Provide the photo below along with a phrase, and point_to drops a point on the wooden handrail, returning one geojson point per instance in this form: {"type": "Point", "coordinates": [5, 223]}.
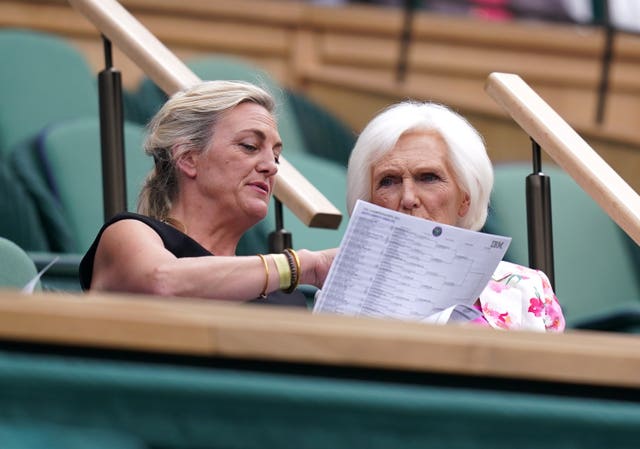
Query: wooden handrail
{"type": "Point", "coordinates": [205, 328]}
{"type": "Point", "coordinates": [572, 153]}
{"type": "Point", "coordinates": [172, 75]}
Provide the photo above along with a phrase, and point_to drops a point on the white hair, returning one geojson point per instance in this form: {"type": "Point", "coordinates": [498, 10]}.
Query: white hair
{"type": "Point", "coordinates": [468, 156]}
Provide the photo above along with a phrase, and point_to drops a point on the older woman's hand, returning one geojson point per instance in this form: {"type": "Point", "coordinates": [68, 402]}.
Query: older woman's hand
{"type": "Point", "coordinates": [315, 265]}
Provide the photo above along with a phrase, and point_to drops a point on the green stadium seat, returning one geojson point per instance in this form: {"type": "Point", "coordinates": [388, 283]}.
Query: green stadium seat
{"type": "Point", "coordinates": [43, 80]}
{"type": "Point", "coordinates": [20, 218]}
{"type": "Point", "coordinates": [70, 153]}
{"type": "Point", "coordinates": [595, 273]}
{"type": "Point", "coordinates": [324, 134]}
{"type": "Point", "coordinates": [16, 268]}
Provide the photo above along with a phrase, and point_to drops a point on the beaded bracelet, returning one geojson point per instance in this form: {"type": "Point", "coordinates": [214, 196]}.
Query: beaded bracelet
{"type": "Point", "coordinates": [294, 265]}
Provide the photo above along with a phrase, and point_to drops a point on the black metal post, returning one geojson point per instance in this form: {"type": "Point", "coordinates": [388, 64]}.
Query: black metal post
{"type": "Point", "coordinates": [605, 65]}
{"type": "Point", "coordinates": [539, 226]}
{"type": "Point", "coordinates": [405, 40]}
{"type": "Point", "coordinates": [114, 187]}
{"type": "Point", "coordinates": [280, 239]}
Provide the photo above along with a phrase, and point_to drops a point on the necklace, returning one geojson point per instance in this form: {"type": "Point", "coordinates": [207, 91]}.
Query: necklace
{"type": "Point", "coordinates": [176, 224]}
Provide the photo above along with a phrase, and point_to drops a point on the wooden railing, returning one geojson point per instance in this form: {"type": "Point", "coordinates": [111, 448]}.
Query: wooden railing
{"type": "Point", "coordinates": [172, 75]}
{"type": "Point", "coordinates": [568, 150]}
{"type": "Point", "coordinates": [206, 328]}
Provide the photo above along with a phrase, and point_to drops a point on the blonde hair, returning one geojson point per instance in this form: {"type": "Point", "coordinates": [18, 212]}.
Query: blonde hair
{"type": "Point", "coordinates": [470, 162]}
{"type": "Point", "coordinates": [186, 122]}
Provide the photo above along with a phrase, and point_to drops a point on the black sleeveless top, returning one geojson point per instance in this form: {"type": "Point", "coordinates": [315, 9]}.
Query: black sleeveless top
{"type": "Point", "coordinates": [180, 245]}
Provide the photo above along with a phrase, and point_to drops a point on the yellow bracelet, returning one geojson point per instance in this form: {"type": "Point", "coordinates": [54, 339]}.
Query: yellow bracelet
{"type": "Point", "coordinates": [283, 270]}
{"type": "Point", "coordinates": [263, 295]}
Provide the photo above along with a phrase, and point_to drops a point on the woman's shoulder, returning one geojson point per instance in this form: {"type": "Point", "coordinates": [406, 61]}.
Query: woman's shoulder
{"type": "Point", "coordinates": [173, 239]}
{"type": "Point", "coordinates": [129, 226]}
{"type": "Point", "coordinates": [132, 216]}
{"type": "Point", "coordinates": [117, 231]}
{"type": "Point", "coordinates": [519, 297]}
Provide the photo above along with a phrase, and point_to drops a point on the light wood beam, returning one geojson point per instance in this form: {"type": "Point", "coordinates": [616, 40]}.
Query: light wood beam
{"type": "Point", "coordinates": [250, 332]}
{"type": "Point", "coordinates": [568, 150]}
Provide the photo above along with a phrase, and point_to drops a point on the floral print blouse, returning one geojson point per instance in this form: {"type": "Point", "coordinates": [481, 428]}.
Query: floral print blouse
{"type": "Point", "coordinates": [519, 297]}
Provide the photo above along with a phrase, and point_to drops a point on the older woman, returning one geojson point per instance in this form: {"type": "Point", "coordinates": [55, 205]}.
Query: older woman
{"type": "Point", "coordinates": [425, 160]}
{"type": "Point", "coordinates": [216, 148]}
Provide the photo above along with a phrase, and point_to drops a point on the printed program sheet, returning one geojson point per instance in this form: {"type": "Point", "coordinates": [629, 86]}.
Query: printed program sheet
{"type": "Point", "coordinates": [398, 266]}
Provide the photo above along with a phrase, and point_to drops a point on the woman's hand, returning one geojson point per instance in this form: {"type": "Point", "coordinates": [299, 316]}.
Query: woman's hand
{"type": "Point", "coordinates": [315, 265]}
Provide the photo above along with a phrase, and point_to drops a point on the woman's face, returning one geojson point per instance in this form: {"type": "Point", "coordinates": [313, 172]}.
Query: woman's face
{"type": "Point", "coordinates": [238, 169]}
{"type": "Point", "coordinates": [416, 178]}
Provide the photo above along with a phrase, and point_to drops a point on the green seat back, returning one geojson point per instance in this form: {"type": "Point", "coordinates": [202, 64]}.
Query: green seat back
{"type": "Point", "coordinates": [16, 268]}
{"type": "Point", "coordinates": [71, 152]}
{"type": "Point", "coordinates": [20, 221]}
{"type": "Point", "coordinates": [594, 271]}
{"type": "Point", "coordinates": [43, 79]}
{"type": "Point", "coordinates": [324, 134]}
{"type": "Point", "coordinates": [27, 164]}
{"type": "Point", "coordinates": [221, 67]}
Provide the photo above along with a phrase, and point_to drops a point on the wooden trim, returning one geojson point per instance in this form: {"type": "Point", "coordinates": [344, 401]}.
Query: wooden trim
{"type": "Point", "coordinates": [281, 13]}
{"type": "Point", "coordinates": [534, 36]}
{"type": "Point", "coordinates": [38, 17]}
{"type": "Point", "coordinates": [241, 331]}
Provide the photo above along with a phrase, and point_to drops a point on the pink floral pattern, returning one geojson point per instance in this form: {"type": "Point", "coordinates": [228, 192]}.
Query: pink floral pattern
{"type": "Point", "coordinates": [518, 297]}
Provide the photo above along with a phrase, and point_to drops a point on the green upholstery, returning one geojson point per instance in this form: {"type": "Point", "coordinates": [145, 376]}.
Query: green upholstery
{"type": "Point", "coordinates": [41, 435]}
{"type": "Point", "coordinates": [16, 268]}
{"type": "Point", "coordinates": [71, 155]}
{"type": "Point", "coordinates": [186, 407]}
{"type": "Point", "coordinates": [594, 271]}
{"type": "Point", "coordinates": [26, 163]}
{"type": "Point", "coordinates": [324, 134]}
{"type": "Point", "coordinates": [43, 79]}
{"type": "Point", "coordinates": [134, 111]}
{"type": "Point", "coordinates": [222, 67]}
{"type": "Point", "coordinates": [330, 178]}
{"type": "Point", "coordinates": [20, 221]}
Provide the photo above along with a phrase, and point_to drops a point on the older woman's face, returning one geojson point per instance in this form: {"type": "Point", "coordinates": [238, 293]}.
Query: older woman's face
{"type": "Point", "coordinates": [416, 178]}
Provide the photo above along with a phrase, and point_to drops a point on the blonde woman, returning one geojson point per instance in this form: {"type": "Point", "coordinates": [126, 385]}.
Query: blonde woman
{"type": "Point", "coordinates": [216, 149]}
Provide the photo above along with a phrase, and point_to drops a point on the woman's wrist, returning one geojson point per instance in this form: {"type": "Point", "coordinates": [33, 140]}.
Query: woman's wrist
{"type": "Point", "coordinates": [281, 271]}
{"type": "Point", "coordinates": [307, 267]}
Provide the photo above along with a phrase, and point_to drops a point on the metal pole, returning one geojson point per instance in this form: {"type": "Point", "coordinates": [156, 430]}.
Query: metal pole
{"type": "Point", "coordinates": [405, 40]}
{"type": "Point", "coordinates": [114, 190]}
{"type": "Point", "coordinates": [280, 239]}
{"type": "Point", "coordinates": [605, 69]}
{"type": "Point", "coordinates": [539, 226]}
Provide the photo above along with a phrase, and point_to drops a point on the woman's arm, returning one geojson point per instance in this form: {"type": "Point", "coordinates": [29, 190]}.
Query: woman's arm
{"type": "Point", "coordinates": [553, 317]}
{"type": "Point", "coordinates": [131, 257]}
